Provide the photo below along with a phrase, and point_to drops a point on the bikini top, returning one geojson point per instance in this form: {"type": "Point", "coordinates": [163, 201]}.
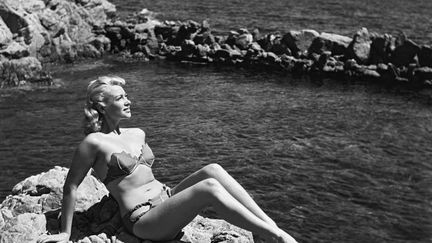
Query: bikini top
{"type": "Point", "coordinates": [123, 164]}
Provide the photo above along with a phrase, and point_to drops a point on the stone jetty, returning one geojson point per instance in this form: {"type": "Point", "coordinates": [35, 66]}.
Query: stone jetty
{"type": "Point", "coordinates": [34, 206]}
{"type": "Point", "coordinates": [35, 31]}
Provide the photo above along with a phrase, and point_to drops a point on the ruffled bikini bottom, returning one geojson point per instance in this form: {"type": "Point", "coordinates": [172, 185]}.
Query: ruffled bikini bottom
{"type": "Point", "coordinates": [129, 221]}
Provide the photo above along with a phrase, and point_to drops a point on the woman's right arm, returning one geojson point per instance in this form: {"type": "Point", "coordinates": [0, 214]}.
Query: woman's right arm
{"type": "Point", "coordinates": [82, 161]}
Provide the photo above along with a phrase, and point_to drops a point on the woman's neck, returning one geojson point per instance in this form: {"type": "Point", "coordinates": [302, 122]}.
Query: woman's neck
{"type": "Point", "coordinates": [109, 126]}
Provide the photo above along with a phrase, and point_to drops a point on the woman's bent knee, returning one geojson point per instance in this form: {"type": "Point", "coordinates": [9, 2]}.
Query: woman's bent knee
{"type": "Point", "coordinates": [210, 185]}
{"type": "Point", "coordinates": [212, 169]}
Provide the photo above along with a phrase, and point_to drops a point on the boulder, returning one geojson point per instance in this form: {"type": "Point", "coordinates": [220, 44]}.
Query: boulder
{"type": "Point", "coordinates": [244, 39]}
{"type": "Point", "coordinates": [359, 48]}
{"type": "Point", "coordinates": [299, 41]}
{"type": "Point", "coordinates": [14, 50]}
{"type": "Point", "coordinates": [380, 49]}
{"type": "Point", "coordinates": [13, 71]}
{"type": "Point", "coordinates": [425, 56]}
{"type": "Point", "coordinates": [5, 34]}
{"type": "Point", "coordinates": [34, 208]}
{"type": "Point", "coordinates": [39, 22]}
{"type": "Point", "coordinates": [24, 227]}
{"type": "Point", "coordinates": [336, 44]}
{"type": "Point", "coordinates": [404, 52]}
{"type": "Point", "coordinates": [423, 73]}
{"type": "Point", "coordinates": [99, 11]}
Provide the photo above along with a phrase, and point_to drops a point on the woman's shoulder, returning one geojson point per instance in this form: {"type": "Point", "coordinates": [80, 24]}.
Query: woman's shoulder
{"type": "Point", "coordinates": [93, 139]}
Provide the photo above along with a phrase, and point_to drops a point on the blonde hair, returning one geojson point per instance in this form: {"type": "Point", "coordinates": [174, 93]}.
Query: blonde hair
{"type": "Point", "coordinates": [93, 117]}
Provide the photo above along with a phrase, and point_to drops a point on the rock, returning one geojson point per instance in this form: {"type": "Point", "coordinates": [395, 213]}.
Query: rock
{"type": "Point", "coordinates": [101, 43]}
{"type": "Point", "coordinates": [380, 49]}
{"type": "Point", "coordinates": [49, 30]}
{"type": "Point", "coordinates": [268, 41]}
{"type": "Point", "coordinates": [256, 34]}
{"type": "Point", "coordinates": [425, 56]}
{"type": "Point", "coordinates": [185, 32]}
{"type": "Point", "coordinates": [244, 39]}
{"type": "Point", "coordinates": [32, 19]}
{"type": "Point", "coordinates": [404, 53]}
{"type": "Point", "coordinates": [99, 10]}
{"type": "Point", "coordinates": [271, 58]}
{"type": "Point", "coordinates": [24, 217]}
{"type": "Point", "coordinates": [336, 44]}
{"type": "Point", "coordinates": [15, 51]}
{"type": "Point", "coordinates": [299, 41]}
{"type": "Point", "coordinates": [423, 73]}
{"type": "Point", "coordinates": [359, 48]}
{"type": "Point", "coordinates": [5, 34]}
{"type": "Point", "coordinates": [322, 61]}
{"type": "Point", "coordinates": [205, 25]}
{"type": "Point", "coordinates": [368, 73]}
{"type": "Point", "coordinates": [278, 47]}
{"type": "Point", "coordinates": [15, 70]}
{"type": "Point", "coordinates": [23, 228]}
{"type": "Point", "coordinates": [88, 51]}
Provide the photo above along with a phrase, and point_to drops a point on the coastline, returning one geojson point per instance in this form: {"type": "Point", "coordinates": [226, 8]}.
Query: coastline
{"type": "Point", "coordinates": [367, 55]}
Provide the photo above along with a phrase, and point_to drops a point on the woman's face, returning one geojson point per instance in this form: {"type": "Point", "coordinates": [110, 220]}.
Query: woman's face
{"type": "Point", "coordinates": [117, 104]}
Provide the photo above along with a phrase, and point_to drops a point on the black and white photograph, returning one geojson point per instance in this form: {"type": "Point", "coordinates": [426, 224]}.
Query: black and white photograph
{"type": "Point", "coordinates": [218, 121]}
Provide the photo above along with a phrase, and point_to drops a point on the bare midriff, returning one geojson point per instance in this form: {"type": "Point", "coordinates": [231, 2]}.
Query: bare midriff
{"type": "Point", "coordinates": [136, 188]}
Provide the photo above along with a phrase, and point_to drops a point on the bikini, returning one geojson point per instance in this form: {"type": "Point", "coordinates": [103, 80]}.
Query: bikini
{"type": "Point", "coordinates": [123, 164]}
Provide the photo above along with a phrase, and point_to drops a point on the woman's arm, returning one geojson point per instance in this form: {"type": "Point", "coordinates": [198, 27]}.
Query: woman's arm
{"type": "Point", "coordinates": [82, 161]}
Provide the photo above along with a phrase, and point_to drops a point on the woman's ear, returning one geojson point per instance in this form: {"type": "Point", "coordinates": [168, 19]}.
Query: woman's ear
{"type": "Point", "coordinates": [100, 108]}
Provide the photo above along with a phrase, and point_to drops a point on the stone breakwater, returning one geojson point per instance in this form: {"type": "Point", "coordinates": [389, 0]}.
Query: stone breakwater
{"type": "Point", "coordinates": [34, 206]}
{"type": "Point", "coordinates": [38, 31]}
{"type": "Point", "coordinates": [366, 55]}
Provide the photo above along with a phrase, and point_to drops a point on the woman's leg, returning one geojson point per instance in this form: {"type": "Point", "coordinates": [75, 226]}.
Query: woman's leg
{"type": "Point", "coordinates": [167, 219]}
{"type": "Point", "coordinates": [229, 183]}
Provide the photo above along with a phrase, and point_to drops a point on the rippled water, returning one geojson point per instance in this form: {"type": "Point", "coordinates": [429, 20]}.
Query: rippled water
{"type": "Point", "coordinates": [331, 161]}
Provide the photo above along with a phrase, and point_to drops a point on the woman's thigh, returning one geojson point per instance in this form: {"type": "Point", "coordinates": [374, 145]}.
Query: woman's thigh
{"type": "Point", "coordinates": [166, 220]}
{"type": "Point", "coordinates": [197, 176]}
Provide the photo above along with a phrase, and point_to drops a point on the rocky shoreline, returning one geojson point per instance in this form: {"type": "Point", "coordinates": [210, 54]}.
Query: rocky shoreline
{"type": "Point", "coordinates": [34, 206]}
{"type": "Point", "coordinates": [35, 32]}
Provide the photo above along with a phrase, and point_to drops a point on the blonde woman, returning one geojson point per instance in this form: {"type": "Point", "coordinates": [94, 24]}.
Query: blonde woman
{"type": "Point", "coordinates": [122, 160]}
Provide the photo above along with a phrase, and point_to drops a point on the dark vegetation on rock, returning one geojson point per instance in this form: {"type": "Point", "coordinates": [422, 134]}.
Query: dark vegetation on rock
{"type": "Point", "coordinates": [37, 31]}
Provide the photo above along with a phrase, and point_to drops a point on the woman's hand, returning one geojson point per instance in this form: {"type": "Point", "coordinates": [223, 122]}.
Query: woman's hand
{"type": "Point", "coordinates": [60, 238]}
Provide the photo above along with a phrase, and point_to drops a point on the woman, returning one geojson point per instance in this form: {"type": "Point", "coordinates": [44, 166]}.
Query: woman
{"type": "Point", "coordinates": [122, 160]}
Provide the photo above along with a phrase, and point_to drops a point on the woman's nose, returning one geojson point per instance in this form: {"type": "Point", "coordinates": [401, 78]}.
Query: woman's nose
{"type": "Point", "coordinates": [128, 102]}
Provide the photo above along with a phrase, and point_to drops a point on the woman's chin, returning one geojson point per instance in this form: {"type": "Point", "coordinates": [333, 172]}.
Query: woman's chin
{"type": "Point", "coordinates": [127, 115]}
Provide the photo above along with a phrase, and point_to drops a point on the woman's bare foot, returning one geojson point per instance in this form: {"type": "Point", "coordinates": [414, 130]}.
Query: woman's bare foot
{"type": "Point", "coordinates": [284, 237]}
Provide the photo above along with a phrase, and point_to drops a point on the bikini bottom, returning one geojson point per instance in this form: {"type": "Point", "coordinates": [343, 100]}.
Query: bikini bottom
{"type": "Point", "coordinates": [129, 221]}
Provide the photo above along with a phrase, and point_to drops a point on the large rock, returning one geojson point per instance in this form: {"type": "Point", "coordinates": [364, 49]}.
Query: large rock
{"type": "Point", "coordinates": [35, 204]}
{"type": "Point", "coordinates": [15, 50]}
{"type": "Point", "coordinates": [40, 22]}
{"type": "Point", "coordinates": [380, 49]}
{"type": "Point", "coordinates": [336, 44]}
{"type": "Point", "coordinates": [244, 39]}
{"type": "Point", "coordinates": [17, 71]}
{"type": "Point", "coordinates": [5, 33]}
{"type": "Point", "coordinates": [425, 56]}
{"type": "Point", "coordinates": [404, 52]}
{"type": "Point", "coordinates": [58, 30]}
{"type": "Point", "coordinates": [359, 48]}
{"type": "Point", "coordinates": [299, 41]}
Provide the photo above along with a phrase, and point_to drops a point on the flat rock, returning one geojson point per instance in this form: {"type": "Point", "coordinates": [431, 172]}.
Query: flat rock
{"type": "Point", "coordinates": [336, 44]}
